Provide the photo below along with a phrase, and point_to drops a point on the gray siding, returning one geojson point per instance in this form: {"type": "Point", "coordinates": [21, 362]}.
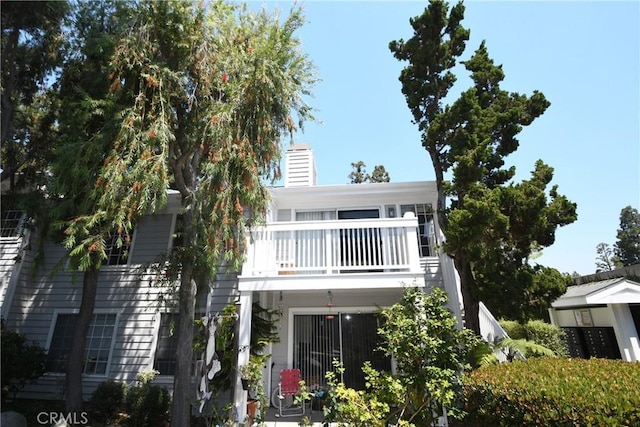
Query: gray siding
{"type": "Point", "coordinates": [224, 291]}
{"type": "Point", "coordinates": [124, 290]}
{"type": "Point", "coordinates": [121, 290]}
{"type": "Point", "coordinates": [152, 237]}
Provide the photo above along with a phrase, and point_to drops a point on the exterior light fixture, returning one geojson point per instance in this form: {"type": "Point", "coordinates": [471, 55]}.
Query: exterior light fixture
{"type": "Point", "coordinates": [330, 305]}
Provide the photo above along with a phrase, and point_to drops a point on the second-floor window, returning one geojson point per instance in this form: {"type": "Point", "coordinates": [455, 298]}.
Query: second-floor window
{"type": "Point", "coordinates": [117, 249]}
{"type": "Point", "coordinates": [12, 221]}
{"type": "Point", "coordinates": [426, 236]}
{"type": "Point", "coordinates": [315, 216]}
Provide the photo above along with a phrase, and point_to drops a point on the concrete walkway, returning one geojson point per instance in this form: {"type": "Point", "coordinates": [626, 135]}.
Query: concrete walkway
{"type": "Point", "coordinates": [271, 420]}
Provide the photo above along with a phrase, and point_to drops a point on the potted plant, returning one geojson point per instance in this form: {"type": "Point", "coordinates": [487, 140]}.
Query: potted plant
{"type": "Point", "coordinates": [263, 331]}
{"type": "Point", "coordinates": [251, 378]}
{"type": "Point", "coordinates": [251, 373]}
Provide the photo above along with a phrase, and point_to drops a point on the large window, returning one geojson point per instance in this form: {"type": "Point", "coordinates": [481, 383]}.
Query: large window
{"type": "Point", "coordinates": [98, 346]}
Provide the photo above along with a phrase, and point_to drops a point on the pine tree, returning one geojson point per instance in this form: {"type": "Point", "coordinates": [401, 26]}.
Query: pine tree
{"type": "Point", "coordinates": [627, 248]}
{"type": "Point", "coordinates": [492, 225]}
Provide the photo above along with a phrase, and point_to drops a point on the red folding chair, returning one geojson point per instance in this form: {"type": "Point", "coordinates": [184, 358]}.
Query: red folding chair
{"type": "Point", "coordinates": [288, 388]}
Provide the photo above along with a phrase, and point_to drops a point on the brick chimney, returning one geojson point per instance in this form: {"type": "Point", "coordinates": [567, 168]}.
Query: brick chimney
{"type": "Point", "coordinates": [300, 166]}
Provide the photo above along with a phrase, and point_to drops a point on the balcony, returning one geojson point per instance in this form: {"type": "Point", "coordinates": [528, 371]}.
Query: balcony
{"type": "Point", "coordinates": [304, 254]}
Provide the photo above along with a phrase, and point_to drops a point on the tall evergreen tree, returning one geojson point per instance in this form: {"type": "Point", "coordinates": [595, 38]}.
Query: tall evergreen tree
{"type": "Point", "coordinates": [83, 139]}
{"type": "Point", "coordinates": [491, 225]}
{"type": "Point", "coordinates": [32, 48]}
{"type": "Point", "coordinates": [606, 260]}
{"type": "Point", "coordinates": [359, 174]}
{"type": "Point", "coordinates": [627, 248]}
{"type": "Point", "coordinates": [379, 174]}
{"type": "Point", "coordinates": [208, 92]}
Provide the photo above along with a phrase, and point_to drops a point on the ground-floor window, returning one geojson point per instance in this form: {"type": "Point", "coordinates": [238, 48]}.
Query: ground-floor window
{"type": "Point", "coordinates": [351, 338]}
{"type": "Point", "coordinates": [98, 345]}
{"type": "Point", "coordinates": [165, 360]}
{"type": "Point", "coordinates": [165, 356]}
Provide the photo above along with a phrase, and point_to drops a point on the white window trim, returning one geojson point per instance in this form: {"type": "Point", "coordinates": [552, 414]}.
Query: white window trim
{"type": "Point", "coordinates": [157, 318]}
{"type": "Point", "coordinates": [52, 327]}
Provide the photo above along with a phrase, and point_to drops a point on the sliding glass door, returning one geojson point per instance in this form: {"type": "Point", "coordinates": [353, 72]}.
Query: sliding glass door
{"type": "Point", "coordinates": [348, 337]}
{"type": "Point", "coordinates": [360, 247]}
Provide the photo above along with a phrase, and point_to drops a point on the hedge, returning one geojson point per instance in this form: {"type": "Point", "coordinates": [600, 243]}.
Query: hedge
{"type": "Point", "coordinates": [539, 332]}
{"type": "Point", "coordinates": [554, 391]}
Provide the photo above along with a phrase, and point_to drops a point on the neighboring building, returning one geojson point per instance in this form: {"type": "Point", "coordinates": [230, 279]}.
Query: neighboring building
{"type": "Point", "coordinates": [601, 315]}
{"type": "Point", "coordinates": [327, 259]}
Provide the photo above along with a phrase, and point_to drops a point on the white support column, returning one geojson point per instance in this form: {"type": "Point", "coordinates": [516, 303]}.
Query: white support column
{"type": "Point", "coordinates": [412, 246]}
{"type": "Point", "coordinates": [626, 333]}
{"type": "Point", "coordinates": [244, 337]}
{"type": "Point", "coordinates": [451, 282]}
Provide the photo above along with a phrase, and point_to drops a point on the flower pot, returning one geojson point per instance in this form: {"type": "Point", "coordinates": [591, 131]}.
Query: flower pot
{"type": "Point", "coordinates": [252, 408]}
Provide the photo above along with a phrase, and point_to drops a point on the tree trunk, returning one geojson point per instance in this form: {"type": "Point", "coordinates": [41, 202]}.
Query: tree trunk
{"type": "Point", "coordinates": [442, 200]}
{"type": "Point", "coordinates": [181, 405]}
{"type": "Point", "coordinates": [75, 367]}
{"type": "Point", "coordinates": [7, 105]}
{"type": "Point", "coordinates": [471, 304]}
{"type": "Point", "coordinates": [181, 409]}
{"type": "Point", "coordinates": [8, 63]}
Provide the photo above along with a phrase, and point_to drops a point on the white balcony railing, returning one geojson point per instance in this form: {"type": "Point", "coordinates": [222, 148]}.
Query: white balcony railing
{"type": "Point", "coordinates": [333, 247]}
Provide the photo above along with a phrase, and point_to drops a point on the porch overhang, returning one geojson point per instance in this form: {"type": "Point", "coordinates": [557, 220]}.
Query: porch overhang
{"type": "Point", "coordinates": [364, 280]}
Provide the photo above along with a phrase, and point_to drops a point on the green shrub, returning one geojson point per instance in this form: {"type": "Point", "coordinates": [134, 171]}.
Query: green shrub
{"type": "Point", "coordinates": [21, 362]}
{"type": "Point", "coordinates": [542, 333]}
{"type": "Point", "coordinates": [513, 328]}
{"type": "Point", "coordinates": [107, 401]}
{"type": "Point", "coordinates": [548, 335]}
{"type": "Point", "coordinates": [148, 405]}
{"type": "Point", "coordinates": [429, 350]}
{"type": "Point", "coordinates": [554, 391]}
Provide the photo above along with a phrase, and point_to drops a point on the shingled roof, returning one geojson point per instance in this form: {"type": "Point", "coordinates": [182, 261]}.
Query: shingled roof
{"type": "Point", "coordinates": [611, 291]}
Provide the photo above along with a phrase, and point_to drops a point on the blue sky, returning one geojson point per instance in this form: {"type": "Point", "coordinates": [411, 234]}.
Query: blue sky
{"type": "Point", "coordinates": [584, 56]}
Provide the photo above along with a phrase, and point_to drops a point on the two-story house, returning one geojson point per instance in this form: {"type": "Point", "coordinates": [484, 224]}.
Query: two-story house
{"type": "Point", "coordinates": [328, 257]}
